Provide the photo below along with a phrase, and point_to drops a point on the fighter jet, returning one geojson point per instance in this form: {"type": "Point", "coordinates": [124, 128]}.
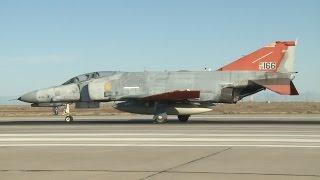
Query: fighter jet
{"type": "Point", "coordinates": [181, 93]}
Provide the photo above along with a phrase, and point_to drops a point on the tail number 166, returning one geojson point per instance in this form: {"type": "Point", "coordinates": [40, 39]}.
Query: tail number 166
{"type": "Point", "coordinates": [267, 66]}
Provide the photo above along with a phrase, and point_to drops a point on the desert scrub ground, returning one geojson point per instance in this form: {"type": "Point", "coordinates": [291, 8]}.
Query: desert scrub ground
{"type": "Point", "coordinates": [268, 108]}
{"type": "Point", "coordinates": [220, 109]}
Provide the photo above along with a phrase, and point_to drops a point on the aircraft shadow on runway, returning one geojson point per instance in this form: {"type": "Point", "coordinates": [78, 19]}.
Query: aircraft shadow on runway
{"type": "Point", "coordinates": [145, 121]}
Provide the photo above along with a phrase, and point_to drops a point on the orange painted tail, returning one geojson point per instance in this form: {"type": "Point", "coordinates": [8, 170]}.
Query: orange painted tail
{"type": "Point", "coordinates": [275, 57]}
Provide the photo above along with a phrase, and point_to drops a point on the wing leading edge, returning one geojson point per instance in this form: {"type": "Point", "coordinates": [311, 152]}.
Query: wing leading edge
{"type": "Point", "coordinates": [173, 96]}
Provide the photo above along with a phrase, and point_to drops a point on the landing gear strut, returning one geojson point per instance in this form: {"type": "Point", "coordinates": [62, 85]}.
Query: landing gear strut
{"type": "Point", "coordinates": [183, 118]}
{"type": "Point", "coordinates": [66, 112]}
{"type": "Point", "coordinates": [55, 110]}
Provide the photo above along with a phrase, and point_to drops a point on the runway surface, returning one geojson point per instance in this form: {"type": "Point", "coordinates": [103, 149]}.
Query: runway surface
{"type": "Point", "coordinates": [125, 147]}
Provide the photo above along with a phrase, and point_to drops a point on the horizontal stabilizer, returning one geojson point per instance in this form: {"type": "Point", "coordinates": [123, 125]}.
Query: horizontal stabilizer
{"type": "Point", "coordinates": [282, 86]}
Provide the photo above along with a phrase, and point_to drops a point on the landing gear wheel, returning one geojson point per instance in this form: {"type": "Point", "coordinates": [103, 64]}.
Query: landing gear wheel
{"type": "Point", "coordinates": [68, 119]}
{"type": "Point", "coordinates": [183, 118]}
{"type": "Point", "coordinates": [160, 118]}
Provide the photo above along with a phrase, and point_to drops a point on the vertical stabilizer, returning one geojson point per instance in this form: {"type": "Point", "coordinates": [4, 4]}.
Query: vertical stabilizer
{"type": "Point", "coordinates": [275, 57]}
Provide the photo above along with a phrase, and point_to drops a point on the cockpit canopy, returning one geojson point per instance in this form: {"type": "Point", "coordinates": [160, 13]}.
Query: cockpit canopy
{"type": "Point", "coordinates": [88, 76]}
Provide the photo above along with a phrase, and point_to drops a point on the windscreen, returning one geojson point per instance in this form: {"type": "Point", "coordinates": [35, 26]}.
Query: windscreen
{"type": "Point", "coordinates": [88, 76]}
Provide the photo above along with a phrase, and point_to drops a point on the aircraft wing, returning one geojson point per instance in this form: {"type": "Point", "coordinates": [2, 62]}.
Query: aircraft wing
{"type": "Point", "coordinates": [169, 96]}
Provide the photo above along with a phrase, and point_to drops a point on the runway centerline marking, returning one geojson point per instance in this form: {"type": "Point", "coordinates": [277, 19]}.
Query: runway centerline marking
{"type": "Point", "coordinates": [166, 139]}
{"type": "Point", "coordinates": [161, 145]}
{"type": "Point", "coordinates": [154, 134]}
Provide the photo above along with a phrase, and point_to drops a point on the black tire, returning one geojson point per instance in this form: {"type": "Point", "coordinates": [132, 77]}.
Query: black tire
{"type": "Point", "coordinates": [68, 119]}
{"type": "Point", "coordinates": [183, 118]}
{"type": "Point", "coordinates": [160, 118]}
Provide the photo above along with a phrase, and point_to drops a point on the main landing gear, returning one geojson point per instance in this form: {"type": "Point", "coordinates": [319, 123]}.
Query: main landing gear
{"type": "Point", "coordinates": [160, 113]}
{"type": "Point", "coordinates": [160, 118]}
{"type": "Point", "coordinates": [183, 118]}
{"type": "Point", "coordinates": [66, 112]}
{"type": "Point", "coordinates": [163, 118]}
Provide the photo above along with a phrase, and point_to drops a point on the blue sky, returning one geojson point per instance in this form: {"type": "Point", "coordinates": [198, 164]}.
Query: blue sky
{"type": "Point", "coordinates": [44, 43]}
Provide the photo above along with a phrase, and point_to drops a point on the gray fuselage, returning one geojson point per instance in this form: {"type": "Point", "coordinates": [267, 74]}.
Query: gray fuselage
{"type": "Point", "coordinates": [214, 86]}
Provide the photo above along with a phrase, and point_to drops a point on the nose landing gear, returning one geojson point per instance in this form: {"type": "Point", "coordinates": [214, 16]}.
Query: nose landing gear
{"type": "Point", "coordinates": [68, 119]}
{"type": "Point", "coordinates": [66, 112]}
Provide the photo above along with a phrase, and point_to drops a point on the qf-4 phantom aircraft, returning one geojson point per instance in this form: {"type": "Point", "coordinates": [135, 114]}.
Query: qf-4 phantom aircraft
{"type": "Point", "coordinates": [181, 93]}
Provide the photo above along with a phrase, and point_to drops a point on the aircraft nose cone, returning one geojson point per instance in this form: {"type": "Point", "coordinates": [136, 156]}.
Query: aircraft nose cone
{"type": "Point", "coordinates": [30, 97]}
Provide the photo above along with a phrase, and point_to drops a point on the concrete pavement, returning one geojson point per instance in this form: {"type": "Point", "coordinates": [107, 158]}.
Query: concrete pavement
{"type": "Point", "coordinates": [208, 147]}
